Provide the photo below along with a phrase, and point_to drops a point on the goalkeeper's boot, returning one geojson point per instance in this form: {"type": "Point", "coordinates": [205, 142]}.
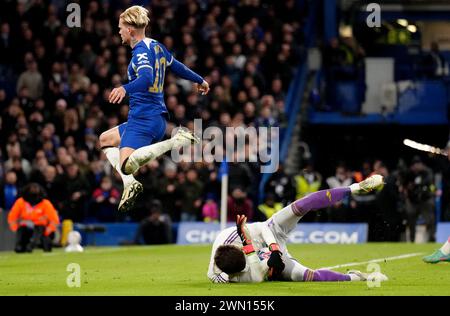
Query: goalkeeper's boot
{"type": "Point", "coordinates": [361, 276]}
{"type": "Point", "coordinates": [129, 195]}
{"type": "Point", "coordinates": [436, 257]}
{"type": "Point", "coordinates": [358, 275]}
{"type": "Point", "coordinates": [184, 137]}
{"type": "Point", "coordinates": [371, 183]}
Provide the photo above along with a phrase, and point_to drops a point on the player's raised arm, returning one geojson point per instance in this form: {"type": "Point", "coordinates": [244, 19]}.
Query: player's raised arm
{"type": "Point", "coordinates": [257, 269]}
{"type": "Point", "coordinates": [184, 72]}
{"type": "Point", "coordinates": [275, 263]}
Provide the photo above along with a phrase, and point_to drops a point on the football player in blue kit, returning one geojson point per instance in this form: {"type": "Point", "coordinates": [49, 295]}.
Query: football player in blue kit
{"type": "Point", "coordinates": [137, 141]}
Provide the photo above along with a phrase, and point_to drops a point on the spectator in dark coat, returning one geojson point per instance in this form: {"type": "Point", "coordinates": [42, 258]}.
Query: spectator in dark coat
{"type": "Point", "coordinates": [156, 228]}
{"type": "Point", "coordinates": [418, 188]}
{"type": "Point", "coordinates": [170, 193]}
{"type": "Point", "coordinates": [192, 197]}
{"type": "Point", "coordinates": [75, 193]}
{"type": "Point", "coordinates": [239, 203]}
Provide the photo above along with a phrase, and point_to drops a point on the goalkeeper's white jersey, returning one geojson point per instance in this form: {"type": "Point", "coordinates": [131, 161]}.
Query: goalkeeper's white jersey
{"type": "Point", "coordinates": [256, 268]}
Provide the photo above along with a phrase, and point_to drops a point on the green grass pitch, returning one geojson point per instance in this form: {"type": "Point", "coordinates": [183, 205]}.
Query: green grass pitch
{"type": "Point", "coordinates": [181, 270]}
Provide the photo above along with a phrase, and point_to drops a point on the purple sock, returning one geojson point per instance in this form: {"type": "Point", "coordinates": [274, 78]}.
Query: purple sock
{"type": "Point", "coordinates": [324, 275]}
{"type": "Point", "coordinates": [318, 200]}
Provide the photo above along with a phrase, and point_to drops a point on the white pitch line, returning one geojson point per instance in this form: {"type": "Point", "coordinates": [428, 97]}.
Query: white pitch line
{"type": "Point", "coordinates": [409, 255]}
{"type": "Point", "coordinates": [87, 251]}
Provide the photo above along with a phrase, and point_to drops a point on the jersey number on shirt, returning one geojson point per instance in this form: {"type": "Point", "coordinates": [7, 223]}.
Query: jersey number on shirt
{"type": "Point", "coordinates": [160, 69]}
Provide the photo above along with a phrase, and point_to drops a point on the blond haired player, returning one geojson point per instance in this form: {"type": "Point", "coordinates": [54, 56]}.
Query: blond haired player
{"type": "Point", "coordinates": [137, 141]}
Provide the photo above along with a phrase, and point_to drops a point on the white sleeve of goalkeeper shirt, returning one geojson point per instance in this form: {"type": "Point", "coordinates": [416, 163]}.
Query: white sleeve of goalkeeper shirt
{"type": "Point", "coordinates": [228, 236]}
{"type": "Point", "coordinates": [261, 231]}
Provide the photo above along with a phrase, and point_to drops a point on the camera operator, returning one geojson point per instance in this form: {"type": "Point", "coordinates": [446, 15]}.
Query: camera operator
{"type": "Point", "coordinates": [418, 189]}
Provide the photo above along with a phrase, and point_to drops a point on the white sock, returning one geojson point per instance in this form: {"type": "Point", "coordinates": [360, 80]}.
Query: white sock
{"type": "Point", "coordinates": [113, 155]}
{"type": "Point", "coordinates": [151, 152]}
{"type": "Point", "coordinates": [446, 247]}
{"type": "Point", "coordinates": [354, 277]}
{"type": "Point", "coordinates": [354, 188]}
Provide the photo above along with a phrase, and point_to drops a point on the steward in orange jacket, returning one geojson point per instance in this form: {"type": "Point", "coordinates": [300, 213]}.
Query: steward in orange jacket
{"type": "Point", "coordinates": [34, 219]}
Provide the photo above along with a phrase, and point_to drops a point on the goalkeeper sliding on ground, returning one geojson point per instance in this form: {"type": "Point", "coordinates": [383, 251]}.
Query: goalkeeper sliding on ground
{"type": "Point", "coordinates": [257, 252]}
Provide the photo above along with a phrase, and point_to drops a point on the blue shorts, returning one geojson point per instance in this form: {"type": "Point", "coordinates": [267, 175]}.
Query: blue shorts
{"type": "Point", "coordinates": [137, 133]}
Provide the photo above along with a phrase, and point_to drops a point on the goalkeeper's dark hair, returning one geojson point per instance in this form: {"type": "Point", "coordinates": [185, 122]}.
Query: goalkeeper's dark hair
{"type": "Point", "coordinates": [230, 259]}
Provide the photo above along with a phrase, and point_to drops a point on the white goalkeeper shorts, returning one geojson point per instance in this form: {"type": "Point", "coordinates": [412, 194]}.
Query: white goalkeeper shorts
{"type": "Point", "coordinates": [281, 224]}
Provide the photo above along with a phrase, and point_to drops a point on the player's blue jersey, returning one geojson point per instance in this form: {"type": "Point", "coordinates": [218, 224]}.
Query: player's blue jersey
{"type": "Point", "coordinates": [154, 57]}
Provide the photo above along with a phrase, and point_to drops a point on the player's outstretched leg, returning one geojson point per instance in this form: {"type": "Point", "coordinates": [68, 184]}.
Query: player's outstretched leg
{"type": "Point", "coordinates": [356, 275]}
{"type": "Point", "coordinates": [288, 217]}
{"type": "Point", "coordinates": [143, 155]}
{"type": "Point", "coordinates": [131, 187]}
{"type": "Point", "coordinates": [371, 183]}
{"type": "Point", "coordinates": [440, 255]}
{"type": "Point", "coordinates": [110, 141]}
{"type": "Point", "coordinates": [325, 275]}
{"type": "Point", "coordinates": [294, 271]}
